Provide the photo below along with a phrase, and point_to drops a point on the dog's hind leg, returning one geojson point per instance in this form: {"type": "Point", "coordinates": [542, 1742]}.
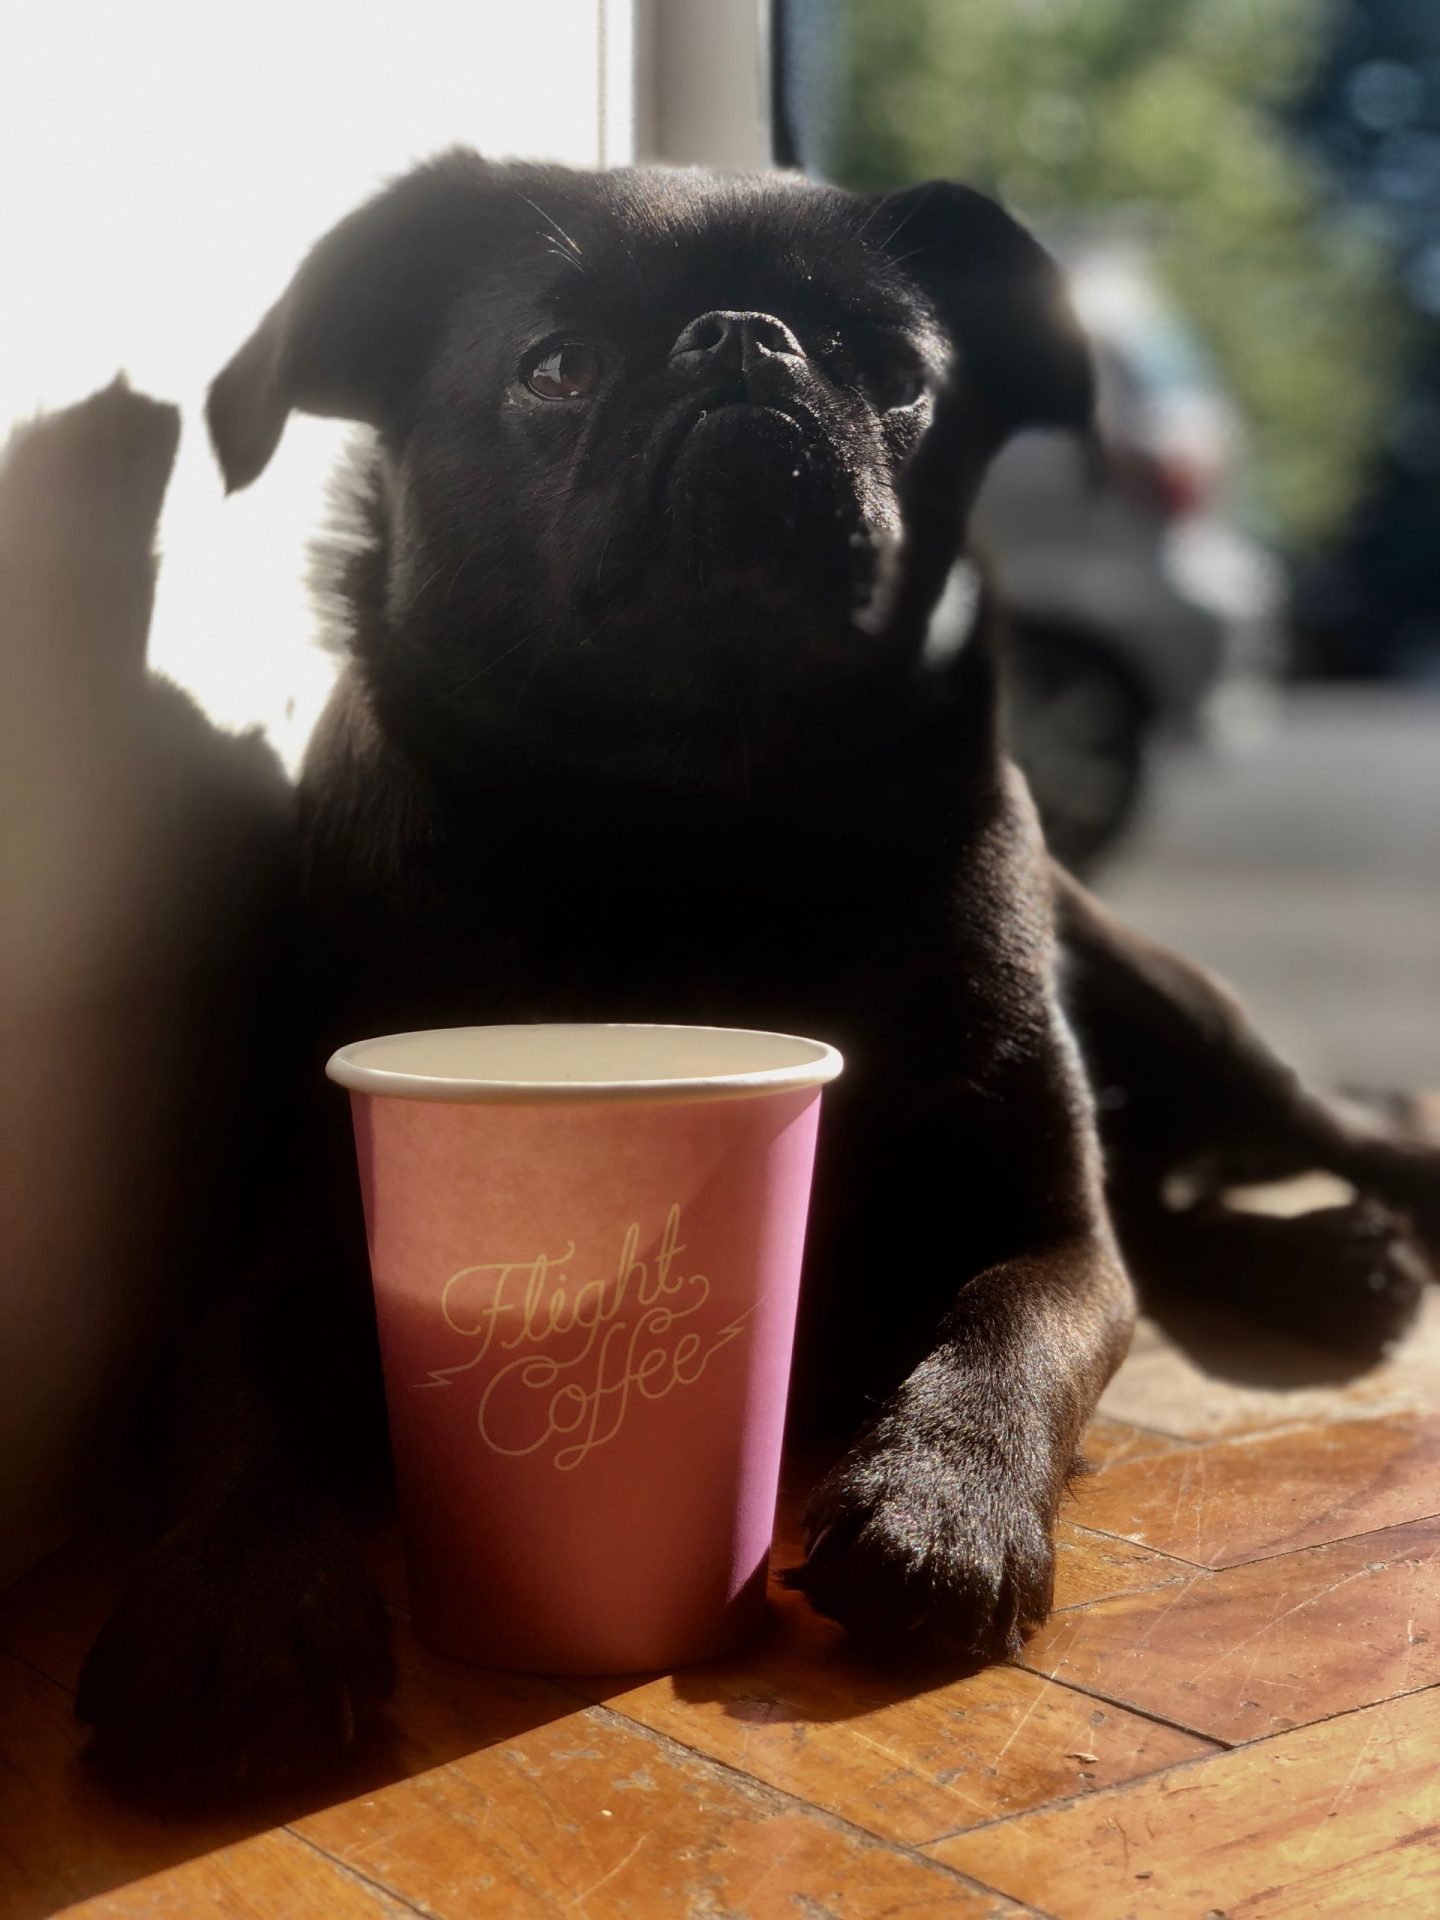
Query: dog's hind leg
{"type": "Point", "coordinates": [1193, 1102]}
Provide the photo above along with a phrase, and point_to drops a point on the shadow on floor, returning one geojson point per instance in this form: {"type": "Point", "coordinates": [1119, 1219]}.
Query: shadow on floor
{"type": "Point", "coordinates": [82, 1839]}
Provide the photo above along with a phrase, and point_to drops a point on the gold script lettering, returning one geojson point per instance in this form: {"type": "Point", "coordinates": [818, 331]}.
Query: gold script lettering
{"type": "Point", "coordinates": [586, 1352]}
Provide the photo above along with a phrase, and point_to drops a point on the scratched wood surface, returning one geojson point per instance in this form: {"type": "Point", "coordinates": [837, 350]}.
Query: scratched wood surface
{"type": "Point", "coordinates": [1234, 1710]}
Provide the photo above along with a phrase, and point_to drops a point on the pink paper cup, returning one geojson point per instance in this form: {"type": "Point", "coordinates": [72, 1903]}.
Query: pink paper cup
{"type": "Point", "coordinates": [585, 1243]}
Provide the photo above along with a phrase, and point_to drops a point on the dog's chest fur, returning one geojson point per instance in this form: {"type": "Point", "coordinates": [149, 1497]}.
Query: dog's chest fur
{"type": "Point", "coordinates": [862, 907]}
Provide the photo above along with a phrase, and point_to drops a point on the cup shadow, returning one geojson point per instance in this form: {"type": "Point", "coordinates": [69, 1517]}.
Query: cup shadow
{"type": "Point", "coordinates": [801, 1667]}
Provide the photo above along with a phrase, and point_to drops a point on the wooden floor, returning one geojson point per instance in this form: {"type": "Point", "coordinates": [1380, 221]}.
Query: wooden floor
{"type": "Point", "coordinates": [1233, 1713]}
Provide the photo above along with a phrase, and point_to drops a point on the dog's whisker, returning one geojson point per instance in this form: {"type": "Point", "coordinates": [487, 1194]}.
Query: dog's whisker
{"type": "Point", "coordinates": [569, 247]}
{"type": "Point", "coordinates": [490, 665]}
{"type": "Point", "coordinates": [561, 253]}
{"type": "Point", "coordinates": [429, 580]}
{"type": "Point", "coordinates": [542, 649]}
{"type": "Point", "coordinates": [465, 560]}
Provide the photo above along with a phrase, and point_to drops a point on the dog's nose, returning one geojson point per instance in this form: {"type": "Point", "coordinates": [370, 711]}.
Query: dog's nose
{"type": "Point", "coordinates": [725, 342]}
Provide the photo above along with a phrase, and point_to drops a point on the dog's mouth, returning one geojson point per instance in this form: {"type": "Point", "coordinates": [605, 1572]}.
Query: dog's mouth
{"type": "Point", "coordinates": [746, 488]}
{"type": "Point", "coordinates": [726, 426]}
{"type": "Point", "coordinates": [757, 484]}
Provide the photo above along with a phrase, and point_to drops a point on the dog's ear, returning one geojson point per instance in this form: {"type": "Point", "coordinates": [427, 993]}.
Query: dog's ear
{"type": "Point", "coordinates": [999, 295]}
{"type": "Point", "coordinates": [348, 336]}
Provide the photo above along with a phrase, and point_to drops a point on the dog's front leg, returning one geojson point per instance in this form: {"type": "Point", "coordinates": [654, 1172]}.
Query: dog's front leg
{"type": "Point", "coordinates": [942, 1513]}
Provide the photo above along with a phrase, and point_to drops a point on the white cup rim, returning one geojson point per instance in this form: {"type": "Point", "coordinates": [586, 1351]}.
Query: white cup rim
{"type": "Point", "coordinates": [725, 1063]}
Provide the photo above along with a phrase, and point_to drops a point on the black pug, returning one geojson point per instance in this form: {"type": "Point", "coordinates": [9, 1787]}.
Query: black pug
{"type": "Point", "coordinates": [639, 723]}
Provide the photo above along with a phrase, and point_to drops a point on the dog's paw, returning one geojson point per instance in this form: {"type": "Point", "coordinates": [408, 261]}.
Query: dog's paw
{"type": "Point", "coordinates": [900, 1541]}
{"type": "Point", "coordinates": [249, 1652]}
{"type": "Point", "coordinates": [1393, 1155]}
{"type": "Point", "coordinates": [1348, 1277]}
{"type": "Point", "coordinates": [1359, 1278]}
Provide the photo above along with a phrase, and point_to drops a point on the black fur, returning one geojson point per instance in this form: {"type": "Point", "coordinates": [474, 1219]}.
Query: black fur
{"type": "Point", "coordinates": [638, 723]}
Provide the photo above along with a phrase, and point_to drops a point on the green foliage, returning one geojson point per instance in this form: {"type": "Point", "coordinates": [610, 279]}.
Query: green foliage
{"type": "Point", "coordinates": [1164, 113]}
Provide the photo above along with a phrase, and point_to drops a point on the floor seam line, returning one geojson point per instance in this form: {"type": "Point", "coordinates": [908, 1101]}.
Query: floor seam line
{"type": "Point", "coordinates": [39, 1672]}
{"type": "Point", "coordinates": [1279, 1553]}
{"type": "Point", "coordinates": [356, 1873]}
{"type": "Point", "coordinates": [1176, 1766]}
{"type": "Point", "coordinates": [1126, 1706]}
{"type": "Point", "coordinates": [867, 1835]}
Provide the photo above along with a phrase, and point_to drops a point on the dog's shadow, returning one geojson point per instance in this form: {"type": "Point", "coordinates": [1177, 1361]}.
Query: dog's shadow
{"type": "Point", "coordinates": [74, 1832]}
{"type": "Point", "coordinates": [802, 1670]}
{"type": "Point", "coordinates": [146, 858]}
{"type": "Point", "coordinates": [1233, 1351]}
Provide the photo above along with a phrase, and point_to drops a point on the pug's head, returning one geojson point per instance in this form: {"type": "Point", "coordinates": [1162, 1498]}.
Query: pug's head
{"type": "Point", "coordinates": [641, 436]}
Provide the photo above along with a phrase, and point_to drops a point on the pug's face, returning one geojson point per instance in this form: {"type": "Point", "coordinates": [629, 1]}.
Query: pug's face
{"type": "Point", "coordinates": [641, 436]}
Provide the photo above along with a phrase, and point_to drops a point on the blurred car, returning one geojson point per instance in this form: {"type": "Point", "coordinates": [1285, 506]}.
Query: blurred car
{"type": "Point", "coordinates": [1136, 601]}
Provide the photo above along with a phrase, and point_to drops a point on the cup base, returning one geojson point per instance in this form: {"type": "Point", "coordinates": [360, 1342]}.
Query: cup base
{"type": "Point", "coordinates": [553, 1656]}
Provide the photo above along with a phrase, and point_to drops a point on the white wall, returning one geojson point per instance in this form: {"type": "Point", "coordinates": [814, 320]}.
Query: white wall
{"type": "Point", "coordinates": [166, 163]}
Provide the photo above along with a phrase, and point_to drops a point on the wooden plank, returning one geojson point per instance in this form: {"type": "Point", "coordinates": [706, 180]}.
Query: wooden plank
{"type": "Point", "coordinates": [444, 1710]}
{"type": "Point", "coordinates": [601, 1820]}
{"type": "Point", "coordinates": [1094, 1566]}
{"type": "Point", "coordinates": [1186, 1382]}
{"type": "Point", "coordinates": [1269, 1645]}
{"type": "Point", "coordinates": [1107, 1442]}
{"type": "Point", "coordinates": [275, 1876]}
{"type": "Point", "coordinates": [1238, 1500]}
{"type": "Point", "coordinates": [1326, 1823]}
{"type": "Point", "coordinates": [905, 1749]}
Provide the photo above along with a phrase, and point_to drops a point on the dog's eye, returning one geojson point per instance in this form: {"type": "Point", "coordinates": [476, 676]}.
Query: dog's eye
{"type": "Point", "coordinates": [894, 378]}
{"type": "Point", "coordinates": [565, 372]}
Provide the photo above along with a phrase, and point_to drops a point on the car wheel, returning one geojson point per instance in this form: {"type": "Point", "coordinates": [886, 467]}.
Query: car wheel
{"type": "Point", "coordinates": [1078, 729]}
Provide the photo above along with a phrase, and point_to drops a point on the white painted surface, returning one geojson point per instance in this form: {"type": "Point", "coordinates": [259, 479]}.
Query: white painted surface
{"type": "Point", "coordinates": [166, 166]}
{"type": "Point", "coordinates": [703, 89]}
